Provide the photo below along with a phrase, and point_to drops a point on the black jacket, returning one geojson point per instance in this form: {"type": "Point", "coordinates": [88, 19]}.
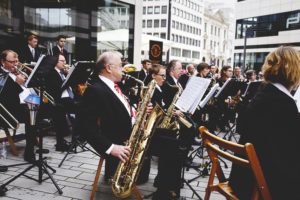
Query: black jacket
{"type": "Point", "coordinates": [26, 55]}
{"type": "Point", "coordinates": [104, 119]}
{"type": "Point", "coordinates": [271, 123]}
{"type": "Point", "coordinates": [57, 52]}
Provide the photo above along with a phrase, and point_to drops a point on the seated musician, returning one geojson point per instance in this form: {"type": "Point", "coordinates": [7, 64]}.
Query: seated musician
{"type": "Point", "coordinates": [203, 70]}
{"type": "Point", "coordinates": [271, 123]}
{"type": "Point", "coordinates": [11, 101]}
{"type": "Point", "coordinates": [64, 102]}
{"type": "Point", "coordinates": [105, 116]}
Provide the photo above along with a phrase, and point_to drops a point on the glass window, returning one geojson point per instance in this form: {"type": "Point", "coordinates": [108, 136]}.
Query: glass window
{"type": "Point", "coordinates": [196, 54]}
{"type": "Point", "coordinates": [163, 23]}
{"type": "Point", "coordinates": [149, 23]}
{"type": "Point", "coordinates": [176, 52]}
{"type": "Point", "coordinates": [156, 23]}
{"type": "Point", "coordinates": [144, 10]}
{"type": "Point", "coordinates": [156, 34]}
{"type": "Point", "coordinates": [186, 53]}
{"type": "Point", "coordinates": [150, 10]}
{"type": "Point", "coordinates": [163, 35]}
{"type": "Point", "coordinates": [164, 10]}
{"type": "Point", "coordinates": [144, 23]}
{"type": "Point", "coordinates": [173, 24]}
{"type": "Point", "coordinates": [156, 9]}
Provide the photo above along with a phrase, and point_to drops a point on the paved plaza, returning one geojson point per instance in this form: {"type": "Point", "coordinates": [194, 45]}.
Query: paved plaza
{"type": "Point", "coordinates": [76, 176]}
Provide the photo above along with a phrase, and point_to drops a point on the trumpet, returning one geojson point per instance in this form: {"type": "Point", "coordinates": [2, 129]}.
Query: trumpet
{"type": "Point", "coordinates": [24, 66]}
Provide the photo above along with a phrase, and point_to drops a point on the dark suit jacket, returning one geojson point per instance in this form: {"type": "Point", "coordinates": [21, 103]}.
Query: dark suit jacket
{"type": "Point", "coordinates": [57, 52]}
{"type": "Point", "coordinates": [9, 98]}
{"type": "Point", "coordinates": [53, 85]}
{"type": "Point", "coordinates": [271, 123]}
{"type": "Point", "coordinates": [104, 119]}
{"type": "Point", "coordinates": [168, 91]}
{"type": "Point", "coordinates": [26, 55]}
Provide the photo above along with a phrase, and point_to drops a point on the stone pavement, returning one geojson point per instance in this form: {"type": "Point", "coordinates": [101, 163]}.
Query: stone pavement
{"type": "Point", "coordinates": [76, 176]}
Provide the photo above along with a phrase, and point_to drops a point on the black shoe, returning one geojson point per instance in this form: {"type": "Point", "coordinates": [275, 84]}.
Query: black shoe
{"type": "Point", "coordinates": [62, 147]}
{"type": "Point", "coordinates": [29, 156]}
{"type": "Point", "coordinates": [2, 191]}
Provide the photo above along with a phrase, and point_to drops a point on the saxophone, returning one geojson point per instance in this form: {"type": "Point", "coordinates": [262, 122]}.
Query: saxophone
{"type": "Point", "coordinates": [166, 121]}
{"type": "Point", "coordinates": [127, 173]}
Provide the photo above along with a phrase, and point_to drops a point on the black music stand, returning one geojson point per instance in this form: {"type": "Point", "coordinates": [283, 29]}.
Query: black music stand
{"type": "Point", "coordinates": [78, 74]}
{"type": "Point", "coordinates": [37, 79]}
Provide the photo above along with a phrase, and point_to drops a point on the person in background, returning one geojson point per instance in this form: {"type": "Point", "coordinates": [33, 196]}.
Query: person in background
{"type": "Point", "coordinates": [31, 52]}
{"type": "Point", "coordinates": [203, 70]}
{"type": "Point", "coordinates": [60, 49]}
{"type": "Point", "coordinates": [251, 75]}
{"type": "Point", "coordinates": [271, 123]}
{"type": "Point", "coordinates": [238, 73]}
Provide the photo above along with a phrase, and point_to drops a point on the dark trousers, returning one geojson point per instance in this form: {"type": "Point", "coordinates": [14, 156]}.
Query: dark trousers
{"type": "Point", "coordinates": [60, 123]}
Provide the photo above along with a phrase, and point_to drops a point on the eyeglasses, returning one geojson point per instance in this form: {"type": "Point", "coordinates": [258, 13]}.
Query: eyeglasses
{"type": "Point", "coordinates": [162, 75]}
{"type": "Point", "coordinates": [120, 65]}
{"type": "Point", "coordinates": [11, 61]}
{"type": "Point", "coordinates": [62, 61]}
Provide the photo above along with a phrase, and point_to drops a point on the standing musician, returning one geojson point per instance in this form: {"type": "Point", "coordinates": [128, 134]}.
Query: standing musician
{"type": "Point", "coordinates": [59, 49]}
{"type": "Point", "coordinates": [11, 100]}
{"type": "Point", "coordinates": [64, 102]}
{"type": "Point", "coordinates": [31, 52]}
{"type": "Point", "coordinates": [271, 123]}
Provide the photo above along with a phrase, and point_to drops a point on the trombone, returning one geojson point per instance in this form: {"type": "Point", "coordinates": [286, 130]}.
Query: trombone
{"type": "Point", "coordinates": [46, 96]}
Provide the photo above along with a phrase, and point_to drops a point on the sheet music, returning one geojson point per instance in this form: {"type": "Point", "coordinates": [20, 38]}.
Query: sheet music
{"type": "Point", "coordinates": [222, 88]}
{"type": "Point", "coordinates": [69, 75]}
{"type": "Point", "coordinates": [297, 97]}
{"type": "Point", "coordinates": [34, 69]}
{"type": "Point", "coordinates": [209, 95]}
{"type": "Point", "coordinates": [191, 96]}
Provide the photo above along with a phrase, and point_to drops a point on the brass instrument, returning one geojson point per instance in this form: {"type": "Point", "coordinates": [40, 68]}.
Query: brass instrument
{"type": "Point", "coordinates": [127, 173]}
{"type": "Point", "coordinates": [19, 69]}
{"type": "Point", "coordinates": [136, 88]}
{"type": "Point", "coordinates": [166, 121]}
{"type": "Point", "coordinates": [8, 118]}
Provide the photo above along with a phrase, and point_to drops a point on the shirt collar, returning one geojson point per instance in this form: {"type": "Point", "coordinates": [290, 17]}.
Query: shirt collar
{"type": "Point", "coordinates": [175, 79]}
{"type": "Point", "coordinates": [108, 82]}
{"type": "Point", "coordinates": [5, 70]}
{"type": "Point", "coordinates": [158, 87]}
{"type": "Point", "coordinates": [283, 89]}
{"type": "Point", "coordinates": [30, 47]}
{"type": "Point", "coordinates": [58, 70]}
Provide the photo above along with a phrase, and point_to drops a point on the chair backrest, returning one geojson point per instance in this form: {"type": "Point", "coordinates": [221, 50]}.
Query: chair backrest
{"type": "Point", "coordinates": [218, 147]}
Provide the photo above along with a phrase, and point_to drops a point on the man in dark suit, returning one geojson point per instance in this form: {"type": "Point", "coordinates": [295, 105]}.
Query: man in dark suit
{"type": "Point", "coordinates": [105, 116]}
{"type": "Point", "coordinates": [64, 102]}
{"type": "Point", "coordinates": [59, 49]}
{"type": "Point", "coordinates": [31, 52]}
{"type": "Point", "coordinates": [10, 99]}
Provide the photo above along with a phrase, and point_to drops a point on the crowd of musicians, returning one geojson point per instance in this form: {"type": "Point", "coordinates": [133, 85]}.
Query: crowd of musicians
{"type": "Point", "coordinates": [105, 114]}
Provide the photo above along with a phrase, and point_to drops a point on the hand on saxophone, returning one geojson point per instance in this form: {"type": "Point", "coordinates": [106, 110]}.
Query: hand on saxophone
{"type": "Point", "coordinates": [121, 152]}
{"type": "Point", "coordinates": [20, 79]}
{"type": "Point", "coordinates": [177, 113]}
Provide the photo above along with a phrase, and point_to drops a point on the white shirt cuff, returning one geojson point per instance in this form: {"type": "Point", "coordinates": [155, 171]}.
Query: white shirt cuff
{"type": "Point", "coordinates": [108, 151]}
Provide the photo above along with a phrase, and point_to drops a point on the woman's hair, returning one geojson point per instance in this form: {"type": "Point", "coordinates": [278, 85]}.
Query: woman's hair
{"type": "Point", "coordinates": [224, 69]}
{"type": "Point", "coordinates": [156, 68]}
{"type": "Point", "coordinates": [202, 66]}
{"type": "Point", "coordinates": [283, 66]}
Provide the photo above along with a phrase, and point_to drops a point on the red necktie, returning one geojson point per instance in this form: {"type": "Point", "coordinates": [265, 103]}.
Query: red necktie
{"type": "Point", "coordinates": [118, 89]}
{"type": "Point", "coordinates": [62, 51]}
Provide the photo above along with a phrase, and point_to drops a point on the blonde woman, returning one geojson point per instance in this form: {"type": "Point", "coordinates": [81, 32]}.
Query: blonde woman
{"type": "Point", "coordinates": [272, 123]}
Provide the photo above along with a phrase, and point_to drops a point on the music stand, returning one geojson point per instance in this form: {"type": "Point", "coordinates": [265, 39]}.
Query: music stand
{"type": "Point", "coordinates": [37, 79]}
{"type": "Point", "coordinates": [79, 74]}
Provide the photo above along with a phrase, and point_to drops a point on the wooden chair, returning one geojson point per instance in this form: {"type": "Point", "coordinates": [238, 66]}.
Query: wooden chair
{"type": "Point", "coordinates": [11, 142]}
{"type": "Point", "coordinates": [250, 162]}
{"type": "Point", "coordinates": [136, 191]}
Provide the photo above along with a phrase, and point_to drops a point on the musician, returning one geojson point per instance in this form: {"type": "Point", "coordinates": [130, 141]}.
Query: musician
{"type": "Point", "coordinates": [64, 102]}
{"type": "Point", "coordinates": [31, 53]}
{"type": "Point", "coordinates": [191, 69]}
{"type": "Point", "coordinates": [11, 101]}
{"type": "Point", "coordinates": [59, 49]}
{"type": "Point", "coordinates": [170, 157]}
{"type": "Point", "coordinates": [251, 75]}
{"type": "Point", "coordinates": [203, 70]}
{"type": "Point", "coordinates": [226, 73]}
{"type": "Point", "coordinates": [271, 123]}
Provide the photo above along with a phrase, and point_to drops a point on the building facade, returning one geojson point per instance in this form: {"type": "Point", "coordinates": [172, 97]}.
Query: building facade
{"type": "Point", "coordinates": [181, 22]}
{"type": "Point", "coordinates": [217, 46]}
{"type": "Point", "coordinates": [264, 26]}
{"type": "Point", "coordinates": [81, 21]}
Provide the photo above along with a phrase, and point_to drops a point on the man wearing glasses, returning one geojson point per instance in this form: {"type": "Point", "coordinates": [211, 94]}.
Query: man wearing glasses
{"type": "Point", "coordinates": [10, 99]}
{"type": "Point", "coordinates": [64, 102]}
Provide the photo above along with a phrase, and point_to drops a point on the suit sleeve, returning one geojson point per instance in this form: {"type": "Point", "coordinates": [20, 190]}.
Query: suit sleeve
{"type": "Point", "coordinates": [89, 119]}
